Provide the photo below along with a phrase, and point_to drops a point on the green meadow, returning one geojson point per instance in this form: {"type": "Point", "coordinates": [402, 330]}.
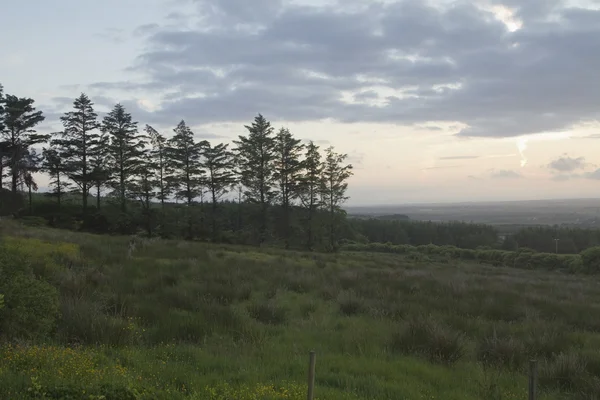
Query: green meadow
{"type": "Point", "coordinates": [112, 317]}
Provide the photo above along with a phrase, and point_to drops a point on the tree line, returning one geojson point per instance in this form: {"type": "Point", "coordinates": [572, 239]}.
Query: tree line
{"type": "Point", "coordinates": [270, 180]}
{"type": "Point", "coordinates": [417, 233]}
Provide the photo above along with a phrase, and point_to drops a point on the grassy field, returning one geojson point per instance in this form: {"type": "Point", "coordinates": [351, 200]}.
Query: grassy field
{"type": "Point", "coordinates": [182, 320]}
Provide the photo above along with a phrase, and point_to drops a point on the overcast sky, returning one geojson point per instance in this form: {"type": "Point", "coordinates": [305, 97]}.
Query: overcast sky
{"type": "Point", "coordinates": [433, 101]}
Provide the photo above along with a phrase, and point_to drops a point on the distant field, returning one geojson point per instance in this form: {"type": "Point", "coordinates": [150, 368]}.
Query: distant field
{"type": "Point", "coordinates": [575, 212]}
{"type": "Point", "coordinates": [180, 320]}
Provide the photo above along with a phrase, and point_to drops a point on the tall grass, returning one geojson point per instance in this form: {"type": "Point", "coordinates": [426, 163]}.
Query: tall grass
{"type": "Point", "coordinates": [180, 320]}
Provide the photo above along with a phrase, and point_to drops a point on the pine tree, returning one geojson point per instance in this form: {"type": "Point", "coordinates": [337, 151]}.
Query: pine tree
{"type": "Point", "coordinates": [287, 173]}
{"type": "Point", "coordinates": [310, 188]}
{"type": "Point", "coordinates": [143, 187]}
{"type": "Point", "coordinates": [54, 166]}
{"type": "Point", "coordinates": [334, 183]}
{"type": "Point", "coordinates": [184, 155]}
{"type": "Point", "coordinates": [1, 108]}
{"type": "Point", "coordinates": [159, 163]}
{"type": "Point", "coordinates": [125, 148]}
{"type": "Point", "coordinates": [77, 141]}
{"type": "Point", "coordinates": [219, 165]}
{"type": "Point", "coordinates": [4, 146]}
{"type": "Point", "coordinates": [30, 164]}
{"type": "Point", "coordinates": [184, 159]}
{"type": "Point", "coordinates": [100, 167]}
{"type": "Point", "coordinates": [20, 119]}
{"type": "Point", "coordinates": [256, 155]}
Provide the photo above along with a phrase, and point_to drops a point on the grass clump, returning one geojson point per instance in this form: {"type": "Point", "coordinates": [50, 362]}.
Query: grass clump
{"type": "Point", "coordinates": [268, 313]}
{"type": "Point", "coordinates": [423, 336]}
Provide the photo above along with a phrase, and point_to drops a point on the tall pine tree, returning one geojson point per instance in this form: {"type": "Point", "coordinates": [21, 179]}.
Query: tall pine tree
{"type": "Point", "coordinates": [219, 164]}
{"type": "Point", "coordinates": [159, 163]}
{"type": "Point", "coordinates": [125, 149]}
{"type": "Point", "coordinates": [334, 183]}
{"type": "Point", "coordinates": [76, 143]}
{"type": "Point", "coordinates": [187, 177]}
{"type": "Point", "coordinates": [310, 189]}
{"type": "Point", "coordinates": [4, 144]}
{"type": "Point", "coordinates": [54, 166]}
{"type": "Point", "coordinates": [256, 156]}
{"type": "Point", "coordinates": [287, 174]}
{"type": "Point", "coordinates": [100, 166]}
{"type": "Point", "coordinates": [143, 186]}
{"type": "Point", "coordinates": [20, 119]}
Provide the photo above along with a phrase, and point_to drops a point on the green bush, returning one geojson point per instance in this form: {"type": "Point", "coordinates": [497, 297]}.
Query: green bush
{"type": "Point", "coordinates": [506, 352]}
{"type": "Point", "coordinates": [268, 313]}
{"type": "Point", "coordinates": [31, 308]}
{"type": "Point", "coordinates": [30, 304]}
{"type": "Point", "coordinates": [590, 259]}
{"type": "Point", "coordinates": [428, 338]}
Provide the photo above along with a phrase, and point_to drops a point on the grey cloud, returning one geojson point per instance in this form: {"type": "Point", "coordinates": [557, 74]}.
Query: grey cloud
{"type": "Point", "coordinates": [567, 164]}
{"type": "Point", "coordinates": [459, 158]}
{"type": "Point", "coordinates": [441, 167]}
{"type": "Point", "coordinates": [505, 174]}
{"type": "Point", "coordinates": [595, 175]}
{"type": "Point", "coordinates": [451, 63]}
{"type": "Point", "coordinates": [112, 35]}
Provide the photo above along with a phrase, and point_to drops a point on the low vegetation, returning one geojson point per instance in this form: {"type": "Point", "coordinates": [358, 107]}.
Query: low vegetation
{"type": "Point", "coordinates": [104, 317]}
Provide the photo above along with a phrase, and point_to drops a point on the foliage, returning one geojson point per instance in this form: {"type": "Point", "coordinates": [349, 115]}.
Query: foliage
{"type": "Point", "coordinates": [169, 319]}
{"type": "Point", "coordinates": [334, 183]}
{"type": "Point", "coordinates": [78, 143]}
{"type": "Point", "coordinates": [125, 150]}
{"type": "Point", "coordinates": [20, 118]}
{"type": "Point", "coordinates": [255, 157]}
{"type": "Point", "coordinates": [591, 259]}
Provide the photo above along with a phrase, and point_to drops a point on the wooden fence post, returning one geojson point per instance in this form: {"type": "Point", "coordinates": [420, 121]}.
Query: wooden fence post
{"type": "Point", "coordinates": [311, 375]}
{"type": "Point", "coordinates": [533, 380]}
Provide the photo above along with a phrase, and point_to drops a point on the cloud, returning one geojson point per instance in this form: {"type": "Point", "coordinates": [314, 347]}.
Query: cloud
{"type": "Point", "coordinates": [505, 174]}
{"type": "Point", "coordinates": [567, 164]}
{"type": "Point", "coordinates": [459, 158]}
{"type": "Point", "coordinates": [441, 167]}
{"type": "Point", "coordinates": [592, 136]}
{"type": "Point", "coordinates": [595, 175]}
{"type": "Point", "coordinates": [402, 61]}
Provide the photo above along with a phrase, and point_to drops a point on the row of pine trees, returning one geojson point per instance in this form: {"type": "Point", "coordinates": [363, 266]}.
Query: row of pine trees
{"type": "Point", "coordinates": [113, 157]}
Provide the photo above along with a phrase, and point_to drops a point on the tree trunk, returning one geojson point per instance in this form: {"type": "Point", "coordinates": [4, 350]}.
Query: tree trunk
{"type": "Point", "coordinates": [30, 201]}
{"type": "Point", "coordinates": [58, 192]}
{"type": "Point", "coordinates": [214, 216]}
{"type": "Point", "coordinates": [98, 197]}
{"type": "Point", "coordinates": [309, 242]}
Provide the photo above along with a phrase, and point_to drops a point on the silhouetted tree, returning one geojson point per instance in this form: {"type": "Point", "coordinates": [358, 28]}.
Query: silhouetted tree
{"type": "Point", "coordinates": [100, 166]}
{"type": "Point", "coordinates": [20, 119]}
{"type": "Point", "coordinates": [125, 149]}
{"type": "Point", "coordinates": [184, 160]}
{"type": "Point", "coordinates": [334, 183]}
{"type": "Point", "coordinates": [287, 175]}
{"type": "Point", "coordinates": [256, 156]}
{"type": "Point", "coordinates": [158, 162]}
{"type": "Point", "coordinates": [77, 141]}
{"type": "Point", "coordinates": [54, 166]}
{"type": "Point", "coordinates": [219, 165]}
{"type": "Point", "coordinates": [310, 188]}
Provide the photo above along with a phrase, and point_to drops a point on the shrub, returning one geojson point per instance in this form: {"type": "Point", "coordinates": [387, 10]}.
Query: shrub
{"type": "Point", "coordinates": [30, 304]}
{"type": "Point", "coordinates": [428, 338]}
{"type": "Point", "coordinates": [268, 313]}
{"type": "Point", "coordinates": [590, 260]}
{"type": "Point", "coordinates": [31, 308]}
{"type": "Point", "coordinates": [505, 352]}
{"type": "Point", "coordinates": [566, 372]}
{"type": "Point", "coordinates": [349, 303]}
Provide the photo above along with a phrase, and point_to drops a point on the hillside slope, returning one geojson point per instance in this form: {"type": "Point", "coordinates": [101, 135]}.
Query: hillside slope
{"type": "Point", "coordinates": [87, 316]}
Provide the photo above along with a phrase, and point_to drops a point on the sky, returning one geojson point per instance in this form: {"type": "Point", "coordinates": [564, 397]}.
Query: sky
{"type": "Point", "coordinates": [433, 101]}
